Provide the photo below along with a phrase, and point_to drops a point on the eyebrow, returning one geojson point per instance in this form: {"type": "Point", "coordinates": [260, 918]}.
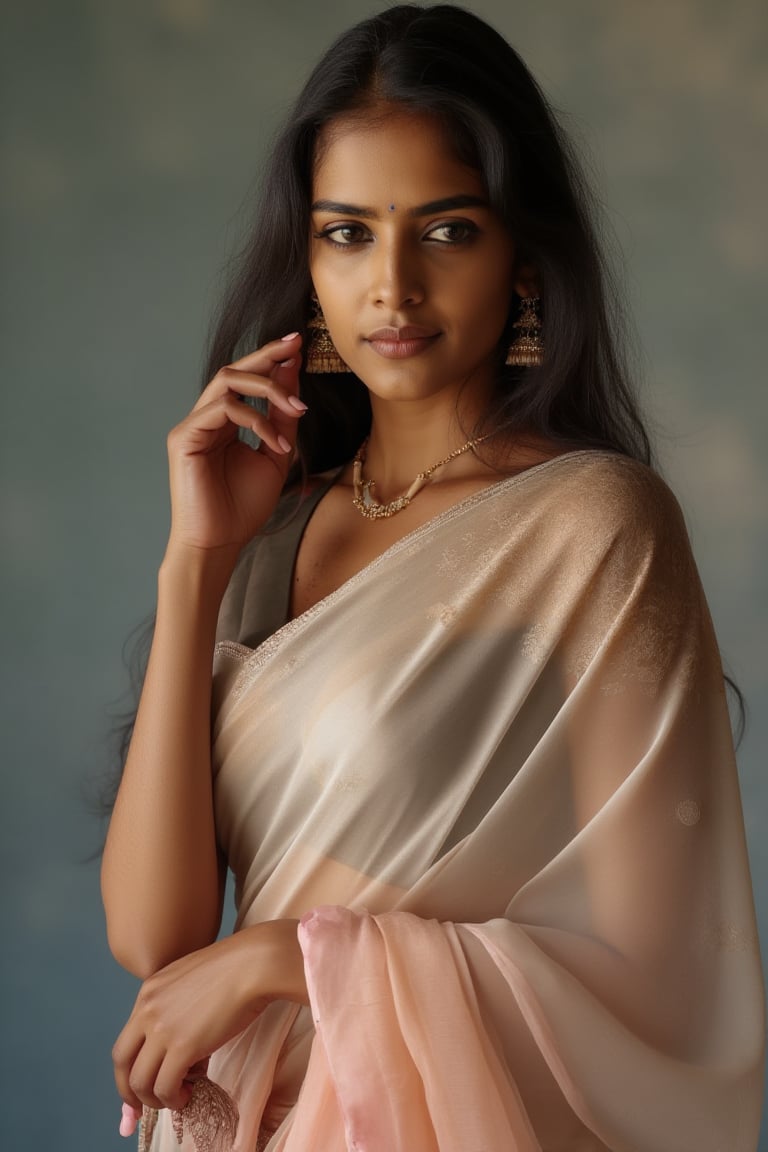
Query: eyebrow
{"type": "Point", "coordinates": [446, 205]}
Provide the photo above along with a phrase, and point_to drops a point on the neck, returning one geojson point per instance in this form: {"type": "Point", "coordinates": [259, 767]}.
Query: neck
{"type": "Point", "coordinates": [406, 439]}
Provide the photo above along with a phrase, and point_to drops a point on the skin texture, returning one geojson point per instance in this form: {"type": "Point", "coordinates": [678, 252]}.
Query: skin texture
{"type": "Point", "coordinates": [450, 271]}
{"type": "Point", "coordinates": [197, 1003]}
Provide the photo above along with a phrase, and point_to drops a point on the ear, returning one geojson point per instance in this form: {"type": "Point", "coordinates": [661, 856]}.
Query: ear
{"type": "Point", "coordinates": [526, 283]}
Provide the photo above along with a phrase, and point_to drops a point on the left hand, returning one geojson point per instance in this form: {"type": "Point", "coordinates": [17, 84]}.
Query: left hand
{"type": "Point", "coordinates": [190, 1008]}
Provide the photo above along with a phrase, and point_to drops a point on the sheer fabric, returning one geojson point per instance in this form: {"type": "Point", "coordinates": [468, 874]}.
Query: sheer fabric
{"type": "Point", "coordinates": [493, 774]}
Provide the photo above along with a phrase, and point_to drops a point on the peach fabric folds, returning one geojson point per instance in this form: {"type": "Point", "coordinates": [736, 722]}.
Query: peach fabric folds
{"type": "Point", "coordinates": [493, 775]}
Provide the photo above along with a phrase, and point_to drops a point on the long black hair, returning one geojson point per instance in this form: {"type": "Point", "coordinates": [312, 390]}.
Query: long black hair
{"type": "Point", "coordinates": [445, 62]}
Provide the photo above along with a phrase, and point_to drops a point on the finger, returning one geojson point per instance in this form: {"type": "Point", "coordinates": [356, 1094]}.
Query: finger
{"type": "Point", "coordinates": [286, 377]}
{"type": "Point", "coordinates": [259, 364]}
{"type": "Point", "coordinates": [129, 1119]}
{"type": "Point", "coordinates": [124, 1053]}
{"type": "Point", "coordinates": [264, 359]}
{"type": "Point", "coordinates": [198, 1070]}
{"type": "Point", "coordinates": [206, 428]}
{"type": "Point", "coordinates": [280, 388]}
{"type": "Point", "coordinates": [143, 1076]}
{"type": "Point", "coordinates": [278, 429]}
{"type": "Point", "coordinates": [283, 425]}
{"type": "Point", "coordinates": [171, 1084]}
{"type": "Point", "coordinates": [284, 420]}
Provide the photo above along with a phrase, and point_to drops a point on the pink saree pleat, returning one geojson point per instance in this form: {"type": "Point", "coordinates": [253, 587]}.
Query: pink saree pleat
{"type": "Point", "coordinates": [410, 1060]}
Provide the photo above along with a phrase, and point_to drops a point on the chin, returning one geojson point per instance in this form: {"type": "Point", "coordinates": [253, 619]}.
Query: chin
{"type": "Point", "coordinates": [418, 380]}
{"type": "Point", "coordinates": [404, 385]}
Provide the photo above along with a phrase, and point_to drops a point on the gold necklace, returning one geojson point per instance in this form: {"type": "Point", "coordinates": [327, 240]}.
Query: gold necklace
{"type": "Point", "coordinates": [364, 500]}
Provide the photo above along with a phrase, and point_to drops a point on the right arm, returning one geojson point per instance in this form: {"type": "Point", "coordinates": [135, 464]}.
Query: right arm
{"type": "Point", "coordinates": [162, 876]}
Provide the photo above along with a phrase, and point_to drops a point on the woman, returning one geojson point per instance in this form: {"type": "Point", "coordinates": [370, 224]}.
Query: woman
{"type": "Point", "coordinates": [469, 756]}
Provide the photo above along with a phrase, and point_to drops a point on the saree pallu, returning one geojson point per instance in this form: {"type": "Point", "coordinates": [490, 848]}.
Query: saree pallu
{"type": "Point", "coordinates": [493, 775]}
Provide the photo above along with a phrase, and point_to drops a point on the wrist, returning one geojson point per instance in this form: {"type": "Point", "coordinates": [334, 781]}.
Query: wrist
{"type": "Point", "coordinates": [278, 965]}
{"type": "Point", "coordinates": [197, 571]}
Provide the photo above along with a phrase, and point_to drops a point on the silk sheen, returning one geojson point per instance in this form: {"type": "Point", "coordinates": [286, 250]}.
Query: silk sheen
{"type": "Point", "coordinates": [493, 775]}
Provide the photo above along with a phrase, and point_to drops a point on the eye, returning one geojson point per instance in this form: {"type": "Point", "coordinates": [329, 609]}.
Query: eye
{"type": "Point", "coordinates": [452, 232]}
{"type": "Point", "coordinates": [343, 235]}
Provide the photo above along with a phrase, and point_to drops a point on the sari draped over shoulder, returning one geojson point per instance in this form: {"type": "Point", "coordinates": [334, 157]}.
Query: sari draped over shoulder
{"type": "Point", "coordinates": [493, 776]}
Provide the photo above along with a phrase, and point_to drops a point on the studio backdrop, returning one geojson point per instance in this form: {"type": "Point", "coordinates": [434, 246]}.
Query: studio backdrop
{"type": "Point", "coordinates": [131, 139]}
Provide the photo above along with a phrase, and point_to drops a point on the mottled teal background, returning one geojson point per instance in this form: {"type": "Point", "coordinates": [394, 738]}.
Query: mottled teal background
{"type": "Point", "coordinates": [131, 136]}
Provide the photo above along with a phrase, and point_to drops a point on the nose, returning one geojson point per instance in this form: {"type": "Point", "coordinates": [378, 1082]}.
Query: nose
{"type": "Point", "coordinates": [396, 275]}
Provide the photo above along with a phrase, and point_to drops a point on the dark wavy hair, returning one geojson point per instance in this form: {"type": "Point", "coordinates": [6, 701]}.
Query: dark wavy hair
{"type": "Point", "coordinates": [447, 63]}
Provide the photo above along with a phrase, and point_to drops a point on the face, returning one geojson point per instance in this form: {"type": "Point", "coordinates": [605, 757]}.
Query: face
{"type": "Point", "coordinates": [413, 269]}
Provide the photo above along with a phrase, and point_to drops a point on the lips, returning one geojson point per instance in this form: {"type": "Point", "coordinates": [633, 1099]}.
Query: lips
{"type": "Point", "coordinates": [400, 343]}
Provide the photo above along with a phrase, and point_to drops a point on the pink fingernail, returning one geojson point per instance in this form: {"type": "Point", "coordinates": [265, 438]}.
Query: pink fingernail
{"type": "Point", "coordinates": [287, 363]}
{"type": "Point", "coordinates": [290, 336]}
{"type": "Point", "coordinates": [299, 405]}
{"type": "Point", "coordinates": [129, 1120]}
{"type": "Point", "coordinates": [286, 447]}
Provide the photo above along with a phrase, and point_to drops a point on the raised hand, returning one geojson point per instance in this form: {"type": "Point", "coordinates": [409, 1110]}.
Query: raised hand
{"type": "Point", "coordinates": [222, 491]}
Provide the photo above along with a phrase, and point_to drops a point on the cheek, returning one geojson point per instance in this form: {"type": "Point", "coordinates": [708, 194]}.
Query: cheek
{"type": "Point", "coordinates": [486, 299]}
{"type": "Point", "coordinates": [334, 282]}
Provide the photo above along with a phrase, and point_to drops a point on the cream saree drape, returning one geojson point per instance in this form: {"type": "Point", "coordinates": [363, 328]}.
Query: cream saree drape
{"type": "Point", "coordinates": [493, 774]}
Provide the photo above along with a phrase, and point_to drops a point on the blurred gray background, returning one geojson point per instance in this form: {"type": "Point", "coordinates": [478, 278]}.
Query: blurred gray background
{"type": "Point", "coordinates": [131, 137]}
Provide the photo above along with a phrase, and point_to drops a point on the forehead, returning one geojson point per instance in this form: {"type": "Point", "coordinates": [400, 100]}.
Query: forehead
{"type": "Point", "coordinates": [403, 158]}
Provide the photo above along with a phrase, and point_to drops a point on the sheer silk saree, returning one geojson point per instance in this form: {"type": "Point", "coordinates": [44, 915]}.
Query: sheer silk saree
{"type": "Point", "coordinates": [493, 775]}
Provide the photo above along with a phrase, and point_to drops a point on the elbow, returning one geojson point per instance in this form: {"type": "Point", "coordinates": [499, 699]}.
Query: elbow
{"type": "Point", "coordinates": [136, 945]}
{"type": "Point", "coordinates": [143, 953]}
{"type": "Point", "coordinates": [145, 936]}
{"type": "Point", "coordinates": [136, 956]}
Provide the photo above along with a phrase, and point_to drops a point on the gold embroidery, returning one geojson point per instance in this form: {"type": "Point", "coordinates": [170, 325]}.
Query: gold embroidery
{"type": "Point", "coordinates": [449, 562]}
{"type": "Point", "coordinates": [443, 613]}
{"type": "Point", "coordinates": [232, 648]}
{"type": "Point", "coordinates": [149, 1117]}
{"type": "Point", "coordinates": [323, 775]}
{"type": "Point", "coordinates": [210, 1117]}
{"type": "Point", "coordinates": [288, 667]}
{"type": "Point", "coordinates": [536, 643]}
{"type": "Point", "coordinates": [262, 1140]}
{"type": "Point", "coordinates": [688, 813]}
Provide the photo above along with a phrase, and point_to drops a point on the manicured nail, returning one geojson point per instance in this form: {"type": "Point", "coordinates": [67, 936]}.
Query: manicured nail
{"type": "Point", "coordinates": [299, 405]}
{"type": "Point", "coordinates": [128, 1121]}
{"type": "Point", "coordinates": [290, 336]}
{"type": "Point", "coordinates": [288, 363]}
{"type": "Point", "coordinates": [284, 444]}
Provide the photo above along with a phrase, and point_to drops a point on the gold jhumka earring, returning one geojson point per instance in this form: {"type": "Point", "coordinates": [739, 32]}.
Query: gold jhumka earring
{"type": "Point", "coordinates": [322, 355]}
{"type": "Point", "coordinates": [527, 349]}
